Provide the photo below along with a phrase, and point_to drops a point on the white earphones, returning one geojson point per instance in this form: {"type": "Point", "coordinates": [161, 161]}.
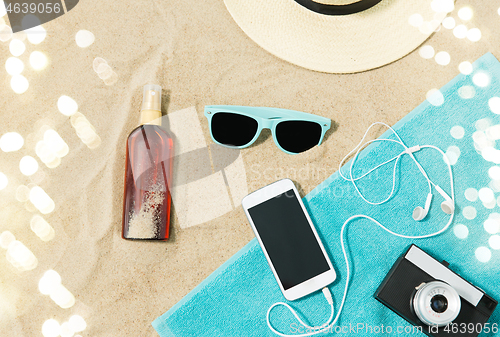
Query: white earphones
{"type": "Point", "coordinates": [448, 206]}
{"type": "Point", "coordinates": [419, 213]}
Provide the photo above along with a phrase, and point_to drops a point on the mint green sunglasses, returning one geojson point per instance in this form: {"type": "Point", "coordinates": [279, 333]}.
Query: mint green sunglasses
{"type": "Point", "coordinates": [240, 126]}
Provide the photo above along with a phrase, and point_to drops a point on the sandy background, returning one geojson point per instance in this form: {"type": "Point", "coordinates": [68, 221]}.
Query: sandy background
{"type": "Point", "coordinates": [196, 52]}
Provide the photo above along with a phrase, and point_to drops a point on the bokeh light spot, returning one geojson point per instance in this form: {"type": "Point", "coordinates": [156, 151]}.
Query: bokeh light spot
{"type": "Point", "coordinates": [474, 34]}
{"type": "Point", "coordinates": [481, 79]}
{"type": "Point", "coordinates": [28, 165]}
{"type": "Point", "coordinates": [442, 58]}
{"type": "Point", "coordinates": [494, 242]}
{"type": "Point", "coordinates": [435, 97]}
{"type": "Point", "coordinates": [460, 231]}
{"type": "Point", "coordinates": [483, 254]}
{"type": "Point", "coordinates": [469, 212]}
{"type": "Point", "coordinates": [494, 104]}
{"type": "Point", "coordinates": [51, 328]}
{"type": "Point", "coordinates": [17, 47]}
{"type": "Point", "coordinates": [14, 66]}
{"type": "Point", "coordinates": [465, 13]}
{"type": "Point", "coordinates": [449, 23]}
{"type": "Point", "coordinates": [457, 132]}
{"type": "Point", "coordinates": [415, 20]}
{"type": "Point", "coordinates": [427, 52]}
{"type": "Point", "coordinates": [36, 34]}
{"type": "Point", "coordinates": [466, 92]}
{"type": "Point", "coordinates": [465, 68]}
{"type": "Point", "coordinates": [19, 84]}
{"type": "Point", "coordinates": [38, 60]}
{"type": "Point", "coordinates": [84, 38]}
{"type": "Point", "coordinates": [11, 141]}
{"type": "Point", "coordinates": [67, 105]}
{"type": "Point", "coordinates": [471, 194]}
{"type": "Point", "coordinates": [460, 31]}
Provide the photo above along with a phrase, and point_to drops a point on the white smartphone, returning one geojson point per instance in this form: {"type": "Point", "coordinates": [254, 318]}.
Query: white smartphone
{"type": "Point", "coordinates": [288, 239]}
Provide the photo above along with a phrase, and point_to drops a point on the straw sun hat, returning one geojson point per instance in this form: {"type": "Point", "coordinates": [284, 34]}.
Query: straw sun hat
{"type": "Point", "coordinates": [339, 36]}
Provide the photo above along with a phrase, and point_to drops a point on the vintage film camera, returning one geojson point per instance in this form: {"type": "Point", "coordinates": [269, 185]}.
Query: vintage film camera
{"type": "Point", "coordinates": [427, 294]}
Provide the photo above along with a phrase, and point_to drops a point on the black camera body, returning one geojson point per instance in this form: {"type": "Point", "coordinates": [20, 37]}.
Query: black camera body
{"type": "Point", "coordinates": [429, 295]}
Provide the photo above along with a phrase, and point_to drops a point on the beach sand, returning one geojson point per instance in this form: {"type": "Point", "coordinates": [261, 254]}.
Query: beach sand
{"type": "Point", "coordinates": [197, 53]}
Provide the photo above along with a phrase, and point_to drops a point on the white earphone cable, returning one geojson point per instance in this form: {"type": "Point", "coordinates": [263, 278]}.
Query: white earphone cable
{"type": "Point", "coordinates": [329, 324]}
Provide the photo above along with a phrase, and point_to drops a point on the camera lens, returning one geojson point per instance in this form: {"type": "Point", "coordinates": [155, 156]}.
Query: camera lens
{"type": "Point", "coordinates": [436, 303]}
{"type": "Point", "coordinates": [439, 303]}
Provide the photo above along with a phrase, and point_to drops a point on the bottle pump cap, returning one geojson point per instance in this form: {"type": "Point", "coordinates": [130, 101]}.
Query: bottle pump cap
{"type": "Point", "coordinates": [151, 105]}
{"type": "Point", "coordinates": [152, 97]}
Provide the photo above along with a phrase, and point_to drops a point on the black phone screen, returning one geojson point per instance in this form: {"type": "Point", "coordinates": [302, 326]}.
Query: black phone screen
{"type": "Point", "coordinates": [288, 239]}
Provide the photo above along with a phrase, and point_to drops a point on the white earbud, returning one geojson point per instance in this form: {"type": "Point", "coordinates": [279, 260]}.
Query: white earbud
{"type": "Point", "coordinates": [448, 206]}
{"type": "Point", "coordinates": [420, 213]}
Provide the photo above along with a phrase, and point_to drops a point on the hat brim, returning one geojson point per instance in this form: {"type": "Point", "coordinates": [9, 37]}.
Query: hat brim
{"type": "Point", "coordinates": [334, 44]}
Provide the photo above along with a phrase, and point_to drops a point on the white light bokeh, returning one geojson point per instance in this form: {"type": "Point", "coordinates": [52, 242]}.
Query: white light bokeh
{"type": "Point", "coordinates": [97, 62]}
{"type": "Point", "coordinates": [36, 35]}
{"type": "Point", "coordinates": [465, 68]}
{"type": "Point", "coordinates": [21, 257]}
{"type": "Point", "coordinates": [63, 297]}
{"type": "Point", "coordinates": [28, 165]}
{"type": "Point", "coordinates": [466, 92]}
{"type": "Point", "coordinates": [17, 47]}
{"type": "Point", "coordinates": [481, 79]}
{"type": "Point", "coordinates": [22, 193]}
{"type": "Point", "coordinates": [443, 6]}
{"type": "Point", "coordinates": [460, 31]}
{"type": "Point", "coordinates": [49, 282]}
{"type": "Point", "coordinates": [483, 254]}
{"type": "Point", "coordinates": [5, 33]}
{"type": "Point", "coordinates": [6, 238]}
{"type": "Point", "coordinates": [465, 13]}
{"type": "Point", "coordinates": [415, 20]}
{"type": "Point", "coordinates": [67, 105]}
{"type": "Point", "coordinates": [494, 242]}
{"type": "Point", "coordinates": [42, 228]}
{"type": "Point", "coordinates": [104, 71]}
{"type": "Point", "coordinates": [457, 132]}
{"type": "Point", "coordinates": [435, 97]}
{"type": "Point", "coordinates": [84, 38]}
{"type": "Point", "coordinates": [77, 323]}
{"type": "Point", "coordinates": [482, 124]}
{"type": "Point", "coordinates": [19, 84]}
{"type": "Point", "coordinates": [471, 194]}
{"type": "Point", "coordinates": [11, 141]}
{"type": "Point", "coordinates": [494, 104]}
{"type": "Point", "coordinates": [66, 330]}
{"type": "Point", "coordinates": [14, 66]}
{"type": "Point", "coordinates": [486, 195]}
{"type": "Point", "coordinates": [55, 143]}
{"type": "Point", "coordinates": [51, 328]}
{"type": "Point", "coordinates": [426, 28]}
{"type": "Point", "coordinates": [4, 181]}
{"type": "Point", "coordinates": [41, 200]}
{"type": "Point", "coordinates": [493, 132]}
{"type": "Point", "coordinates": [426, 52]}
{"type": "Point", "coordinates": [492, 225]}
{"type": "Point", "coordinates": [38, 60]}
{"type": "Point", "coordinates": [449, 23]}
{"type": "Point", "coordinates": [442, 58]}
{"type": "Point", "coordinates": [460, 231]}
{"type": "Point", "coordinates": [469, 212]}
{"type": "Point", "coordinates": [474, 35]}
{"type": "Point", "coordinates": [494, 172]}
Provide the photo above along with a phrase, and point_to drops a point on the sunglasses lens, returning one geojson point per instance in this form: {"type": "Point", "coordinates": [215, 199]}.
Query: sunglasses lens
{"type": "Point", "coordinates": [298, 136]}
{"type": "Point", "coordinates": [232, 129]}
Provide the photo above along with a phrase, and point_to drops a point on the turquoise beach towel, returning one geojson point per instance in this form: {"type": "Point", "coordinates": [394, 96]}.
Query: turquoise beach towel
{"type": "Point", "coordinates": [464, 122]}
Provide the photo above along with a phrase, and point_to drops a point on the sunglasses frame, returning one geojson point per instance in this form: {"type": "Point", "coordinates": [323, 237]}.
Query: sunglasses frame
{"type": "Point", "coordinates": [267, 118]}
